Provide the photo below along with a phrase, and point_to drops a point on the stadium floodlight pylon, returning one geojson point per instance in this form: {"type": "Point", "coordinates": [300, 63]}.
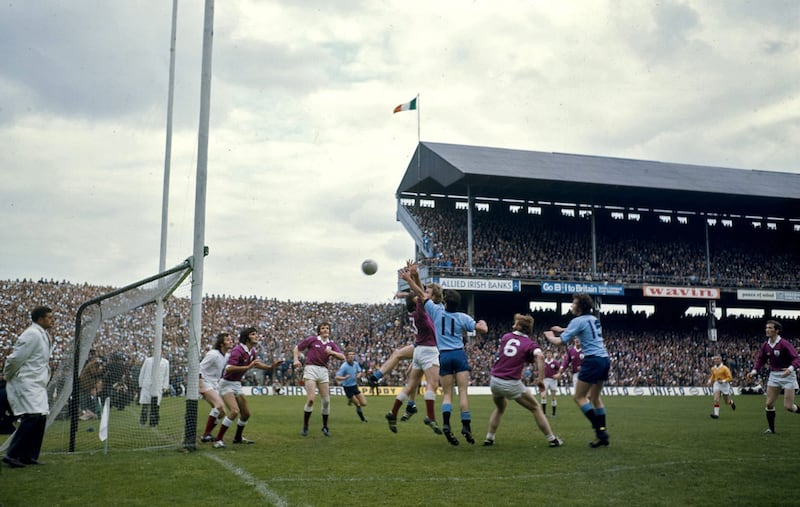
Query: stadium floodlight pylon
{"type": "Point", "coordinates": [112, 337]}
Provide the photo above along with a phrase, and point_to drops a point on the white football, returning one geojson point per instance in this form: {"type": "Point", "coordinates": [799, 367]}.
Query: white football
{"type": "Point", "coordinates": [369, 267]}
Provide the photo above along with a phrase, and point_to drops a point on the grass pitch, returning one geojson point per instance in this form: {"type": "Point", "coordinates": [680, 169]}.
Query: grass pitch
{"type": "Point", "coordinates": [664, 451]}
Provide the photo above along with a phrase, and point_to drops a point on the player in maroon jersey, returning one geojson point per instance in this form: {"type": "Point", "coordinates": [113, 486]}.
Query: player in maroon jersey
{"type": "Point", "coordinates": [573, 360]}
{"type": "Point", "coordinates": [515, 351]}
{"type": "Point", "coordinates": [242, 358]}
{"type": "Point", "coordinates": [319, 348]}
{"type": "Point", "coordinates": [783, 362]}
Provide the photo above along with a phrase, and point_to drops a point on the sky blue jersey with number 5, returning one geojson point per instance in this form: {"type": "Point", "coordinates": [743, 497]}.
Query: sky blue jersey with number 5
{"type": "Point", "coordinates": [588, 330]}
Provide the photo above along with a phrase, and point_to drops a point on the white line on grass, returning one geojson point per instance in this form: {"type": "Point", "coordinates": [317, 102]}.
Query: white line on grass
{"type": "Point", "coordinates": [261, 487]}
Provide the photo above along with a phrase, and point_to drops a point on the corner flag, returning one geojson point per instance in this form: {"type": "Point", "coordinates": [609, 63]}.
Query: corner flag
{"type": "Point", "coordinates": [103, 432]}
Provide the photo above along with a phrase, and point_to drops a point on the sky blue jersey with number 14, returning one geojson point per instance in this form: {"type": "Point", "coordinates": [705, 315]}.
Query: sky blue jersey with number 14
{"type": "Point", "coordinates": [588, 330]}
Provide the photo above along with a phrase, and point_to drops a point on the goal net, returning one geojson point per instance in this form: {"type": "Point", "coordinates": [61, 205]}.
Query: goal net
{"type": "Point", "coordinates": [106, 367]}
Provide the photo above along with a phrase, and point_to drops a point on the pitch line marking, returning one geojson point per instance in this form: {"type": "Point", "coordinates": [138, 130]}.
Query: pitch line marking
{"type": "Point", "coordinates": [261, 487]}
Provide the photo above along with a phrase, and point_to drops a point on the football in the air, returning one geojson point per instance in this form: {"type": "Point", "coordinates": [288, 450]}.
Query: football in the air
{"type": "Point", "coordinates": [369, 267]}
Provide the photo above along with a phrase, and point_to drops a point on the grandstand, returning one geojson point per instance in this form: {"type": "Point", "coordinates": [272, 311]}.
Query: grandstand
{"type": "Point", "coordinates": [515, 231]}
{"type": "Point", "coordinates": [511, 227]}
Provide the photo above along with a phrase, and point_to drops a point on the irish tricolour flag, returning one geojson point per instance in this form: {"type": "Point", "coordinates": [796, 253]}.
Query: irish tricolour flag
{"type": "Point", "coordinates": [408, 106]}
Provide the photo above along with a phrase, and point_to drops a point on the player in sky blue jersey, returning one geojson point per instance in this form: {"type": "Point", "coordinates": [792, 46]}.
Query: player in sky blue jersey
{"type": "Point", "coordinates": [451, 326]}
{"type": "Point", "coordinates": [596, 363]}
{"type": "Point", "coordinates": [348, 374]}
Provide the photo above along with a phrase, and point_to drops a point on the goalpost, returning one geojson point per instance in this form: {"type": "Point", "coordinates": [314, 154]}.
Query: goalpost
{"type": "Point", "coordinates": [114, 334]}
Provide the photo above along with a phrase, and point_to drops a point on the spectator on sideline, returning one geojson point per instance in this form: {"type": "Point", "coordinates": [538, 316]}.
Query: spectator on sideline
{"type": "Point", "coordinates": [315, 374]}
{"type": "Point", "coordinates": [517, 349]}
{"type": "Point", "coordinates": [348, 374]}
{"type": "Point", "coordinates": [211, 369]}
{"type": "Point", "coordinates": [241, 358]}
{"type": "Point", "coordinates": [596, 363]}
{"type": "Point", "coordinates": [27, 371]}
{"type": "Point", "coordinates": [783, 364]}
{"type": "Point", "coordinates": [721, 380]}
{"type": "Point", "coordinates": [149, 394]}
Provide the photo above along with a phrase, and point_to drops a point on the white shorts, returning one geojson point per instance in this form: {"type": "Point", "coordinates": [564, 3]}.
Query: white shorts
{"type": "Point", "coordinates": [318, 374]}
{"type": "Point", "coordinates": [425, 356]}
{"type": "Point", "coordinates": [550, 385]}
{"type": "Point", "coordinates": [511, 389]}
{"type": "Point", "coordinates": [776, 379]}
{"type": "Point", "coordinates": [208, 385]}
{"type": "Point", "coordinates": [723, 388]}
{"type": "Point", "coordinates": [229, 386]}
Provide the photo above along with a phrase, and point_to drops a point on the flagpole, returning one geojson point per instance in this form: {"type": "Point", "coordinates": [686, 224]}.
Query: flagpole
{"type": "Point", "coordinates": [419, 151]}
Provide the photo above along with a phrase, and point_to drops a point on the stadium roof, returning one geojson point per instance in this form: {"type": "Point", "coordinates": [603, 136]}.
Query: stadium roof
{"type": "Point", "coordinates": [459, 170]}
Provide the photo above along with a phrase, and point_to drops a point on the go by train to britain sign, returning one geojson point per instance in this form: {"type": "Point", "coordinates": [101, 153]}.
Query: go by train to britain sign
{"type": "Point", "coordinates": [593, 289]}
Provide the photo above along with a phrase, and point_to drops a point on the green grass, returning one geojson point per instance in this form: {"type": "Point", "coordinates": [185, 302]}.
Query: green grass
{"type": "Point", "coordinates": [664, 451]}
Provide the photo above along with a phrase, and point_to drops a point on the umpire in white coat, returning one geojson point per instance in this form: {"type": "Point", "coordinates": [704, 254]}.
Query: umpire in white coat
{"type": "Point", "coordinates": [27, 372]}
{"type": "Point", "coordinates": [149, 395]}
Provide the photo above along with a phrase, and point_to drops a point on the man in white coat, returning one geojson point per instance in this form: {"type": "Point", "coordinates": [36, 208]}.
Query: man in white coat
{"type": "Point", "coordinates": [27, 371]}
{"type": "Point", "coordinates": [149, 395]}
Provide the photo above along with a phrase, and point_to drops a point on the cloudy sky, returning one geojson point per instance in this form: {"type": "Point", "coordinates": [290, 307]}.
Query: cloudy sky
{"type": "Point", "coordinates": [305, 154]}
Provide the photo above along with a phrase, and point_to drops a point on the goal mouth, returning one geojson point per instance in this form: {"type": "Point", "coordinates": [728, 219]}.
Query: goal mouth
{"type": "Point", "coordinates": [114, 334]}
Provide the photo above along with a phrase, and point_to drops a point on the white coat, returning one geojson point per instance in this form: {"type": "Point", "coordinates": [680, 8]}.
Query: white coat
{"type": "Point", "coordinates": [146, 379]}
{"type": "Point", "coordinates": [27, 371]}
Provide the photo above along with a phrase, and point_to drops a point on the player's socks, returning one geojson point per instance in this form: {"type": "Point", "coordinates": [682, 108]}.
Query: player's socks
{"type": "Point", "coordinates": [771, 419]}
{"type": "Point", "coordinates": [378, 375]}
{"type": "Point", "coordinates": [210, 423]}
{"type": "Point", "coordinates": [324, 420]}
{"type": "Point", "coordinates": [360, 413]}
{"type": "Point", "coordinates": [716, 409]}
{"type": "Point", "coordinates": [239, 430]}
{"type": "Point", "coordinates": [600, 417]}
{"type": "Point", "coordinates": [447, 409]}
{"type": "Point", "coordinates": [588, 411]}
{"type": "Point", "coordinates": [429, 408]}
{"type": "Point", "coordinates": [223, 428]}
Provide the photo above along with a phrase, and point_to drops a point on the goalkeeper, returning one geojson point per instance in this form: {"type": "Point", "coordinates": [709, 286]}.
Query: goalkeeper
{"type": "Point", "coordinates": [721, 379]}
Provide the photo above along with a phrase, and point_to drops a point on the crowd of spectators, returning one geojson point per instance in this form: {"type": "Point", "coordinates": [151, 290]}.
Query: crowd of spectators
{"type": "Point", "coordinates": [645, 352]}
{"type": "Point", "coordinates": [645, 249]}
